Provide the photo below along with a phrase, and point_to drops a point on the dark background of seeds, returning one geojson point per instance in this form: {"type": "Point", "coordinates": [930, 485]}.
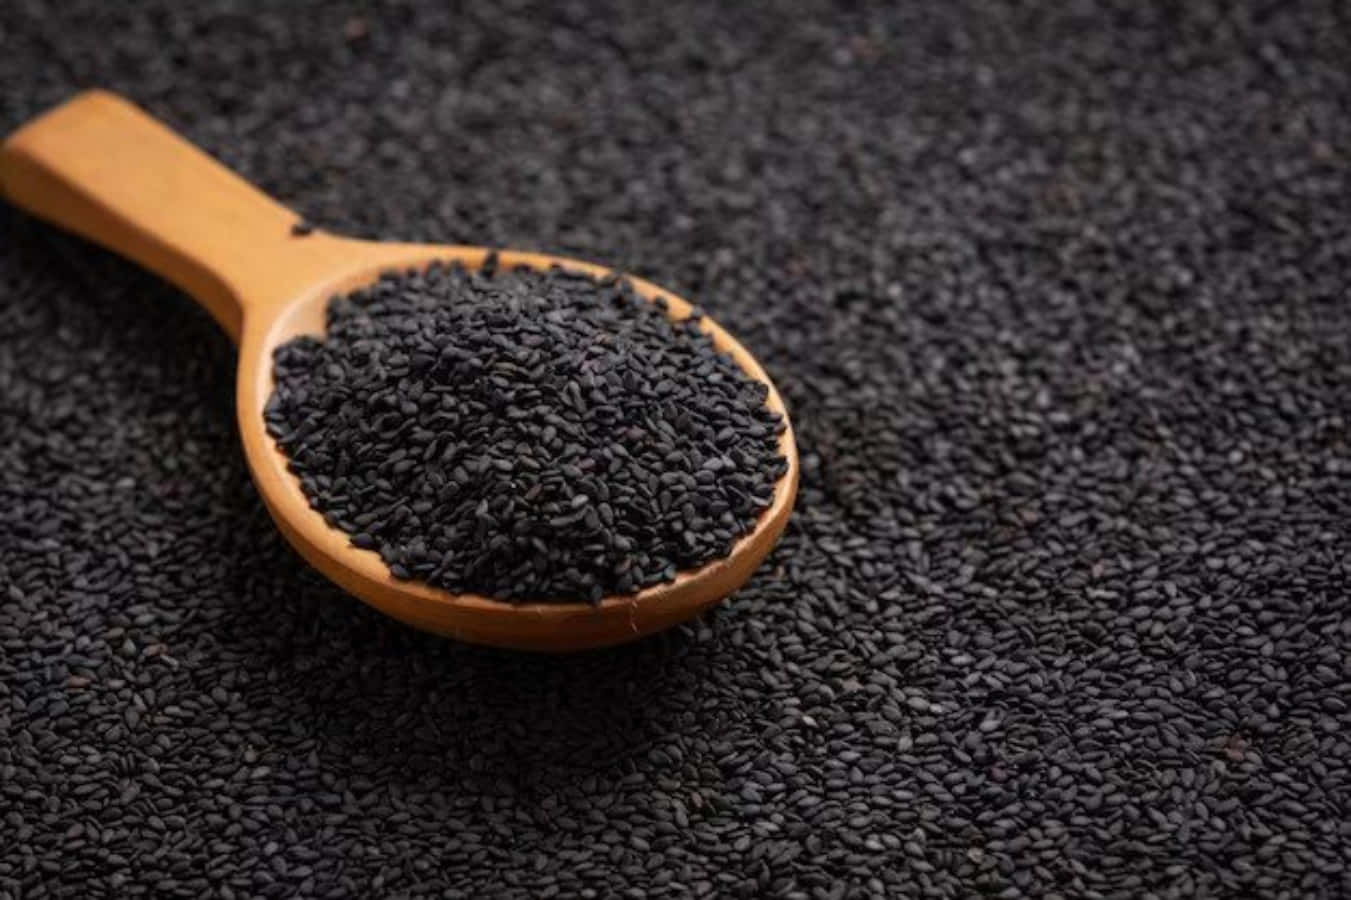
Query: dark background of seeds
{"type": "Point", "coordinates": [1059, 301]}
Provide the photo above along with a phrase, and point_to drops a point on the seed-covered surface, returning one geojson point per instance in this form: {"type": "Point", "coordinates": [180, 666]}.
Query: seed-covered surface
{"type": "Point", "coordinates": [1057, 296]}
{"type": "Point", "coordinates": [525, 435]}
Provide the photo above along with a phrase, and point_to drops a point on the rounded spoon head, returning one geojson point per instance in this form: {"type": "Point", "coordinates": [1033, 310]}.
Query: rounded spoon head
{"type": "Point", "coordinates": [554, 626]}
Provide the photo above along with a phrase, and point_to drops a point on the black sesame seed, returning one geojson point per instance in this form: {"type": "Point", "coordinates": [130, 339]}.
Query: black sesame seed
{"type": "Point", "coordinates": [465, 328]}
{"type": "Point", "coordinates": [1057, 293]}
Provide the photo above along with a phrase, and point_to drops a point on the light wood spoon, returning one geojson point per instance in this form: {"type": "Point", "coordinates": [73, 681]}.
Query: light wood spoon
{"type": "Point", "coordinates": [101, 167]}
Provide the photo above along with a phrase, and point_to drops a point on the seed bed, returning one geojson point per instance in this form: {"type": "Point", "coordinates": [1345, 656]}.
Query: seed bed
{"type": "Point", "coordinates": [1057, 294]}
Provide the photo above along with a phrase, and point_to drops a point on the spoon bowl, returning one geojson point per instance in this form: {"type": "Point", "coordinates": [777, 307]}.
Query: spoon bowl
{"type": "Point", "coordinates": [100, 167]}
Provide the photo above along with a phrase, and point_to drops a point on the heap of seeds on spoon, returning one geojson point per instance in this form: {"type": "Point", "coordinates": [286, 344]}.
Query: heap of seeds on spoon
{"type": "Point", "coordinates": [525, 435]}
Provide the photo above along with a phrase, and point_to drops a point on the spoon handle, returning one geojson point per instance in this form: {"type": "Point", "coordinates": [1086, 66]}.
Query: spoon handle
{"type": "Point", "coordinates": [103, 168]}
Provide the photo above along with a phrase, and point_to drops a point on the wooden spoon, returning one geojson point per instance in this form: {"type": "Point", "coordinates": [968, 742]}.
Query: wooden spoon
{"type": "Point", "coordinates": [106, 170]}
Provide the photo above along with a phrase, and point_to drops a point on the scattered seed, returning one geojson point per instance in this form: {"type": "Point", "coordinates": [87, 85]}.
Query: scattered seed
{"type": "Point", "coordinates": [1057, 295]}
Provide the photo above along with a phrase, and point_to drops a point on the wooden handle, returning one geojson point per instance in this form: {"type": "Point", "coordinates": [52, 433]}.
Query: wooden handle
{"type": "Point", "coordinates": [101, 167]}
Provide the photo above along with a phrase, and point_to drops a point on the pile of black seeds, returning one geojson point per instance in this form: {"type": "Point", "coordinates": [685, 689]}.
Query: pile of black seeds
{"type": "Point", "coordinates": [525, 435]}
{"type": "Point", "coordinates": [1057, 294]}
